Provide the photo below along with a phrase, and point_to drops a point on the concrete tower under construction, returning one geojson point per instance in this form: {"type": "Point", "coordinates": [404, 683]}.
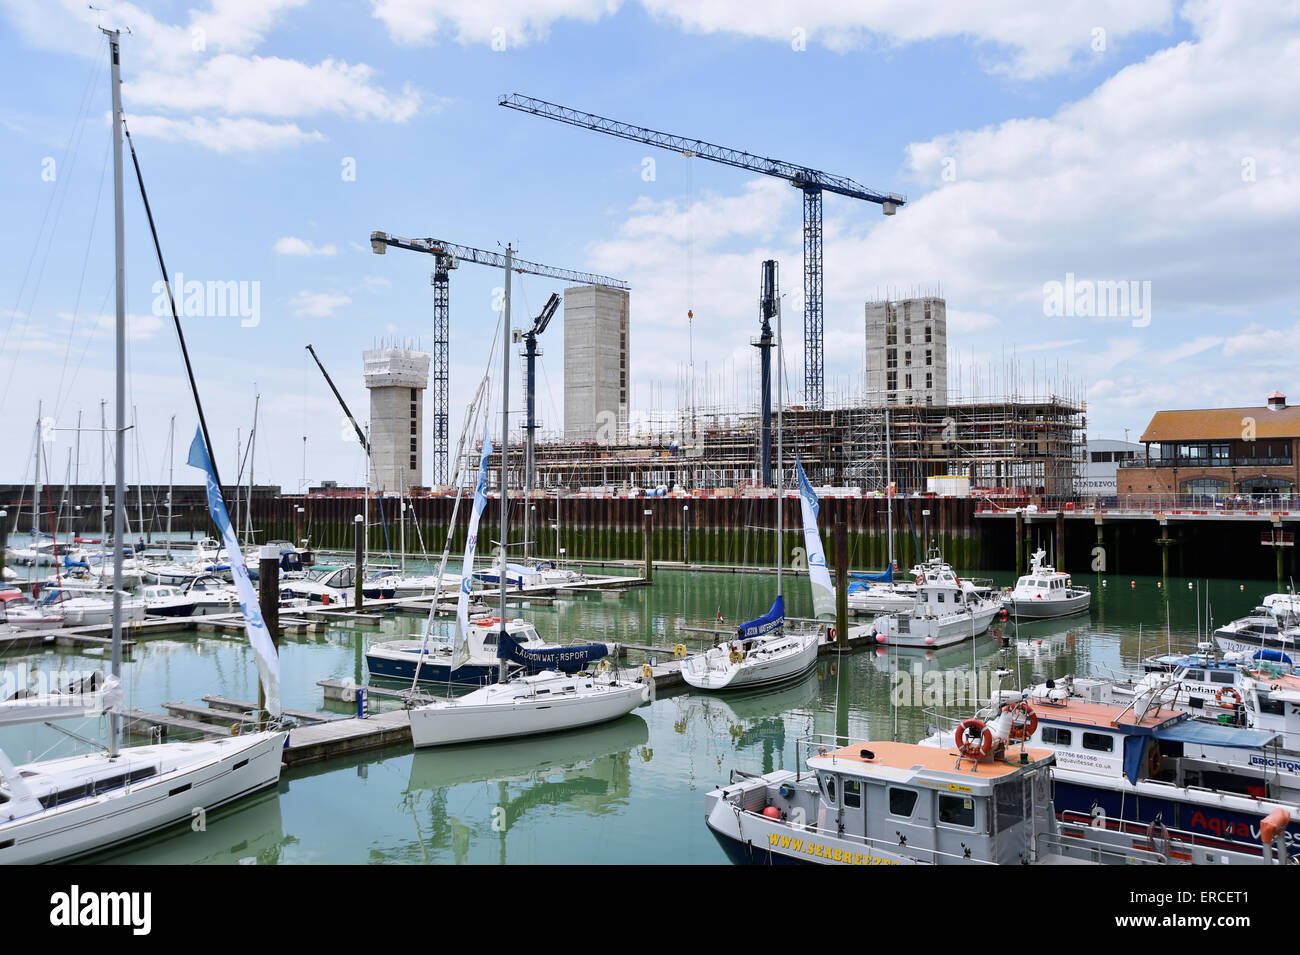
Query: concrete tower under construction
{"type": "Point", "coordinates": [396, 379]}
{"type": "Point", "coordinates": [595, 364]}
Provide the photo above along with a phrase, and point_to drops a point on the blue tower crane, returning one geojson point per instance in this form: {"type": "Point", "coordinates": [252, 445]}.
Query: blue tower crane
{"type": "Point", "coordinates": [812, 182]}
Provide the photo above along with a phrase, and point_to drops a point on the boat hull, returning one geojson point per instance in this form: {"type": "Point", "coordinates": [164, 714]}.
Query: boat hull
{"type": "Point", "coordinates": [936, 633]}
{"type": "Point", "coordinates": [209, 774]}
{"type": "Point", "coordinates": [450, 722]}
{"type": "Point", "coordinates": [1045, 609]}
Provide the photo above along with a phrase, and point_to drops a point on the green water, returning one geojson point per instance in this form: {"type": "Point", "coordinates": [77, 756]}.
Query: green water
{"type": "Point", "coordinates": [630, 791]}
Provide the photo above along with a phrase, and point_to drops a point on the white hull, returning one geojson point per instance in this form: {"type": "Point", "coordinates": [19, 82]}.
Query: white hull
{"type": "Point", "coordinates": [192, 775]}
{"type": "Point", "coordinates": [509, 710]}
{"type": "Point", "coordinates": [713, 669]}
{"type": "Point", "coordinates": [97, 613]}
{"type": "Point", "coordinates": [882, 599]}
{"type": "Point", "coordinates": [934, 632]}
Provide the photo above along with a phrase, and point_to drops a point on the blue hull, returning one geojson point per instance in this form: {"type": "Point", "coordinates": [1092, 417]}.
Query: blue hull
{"type": "Point", "coordinates": [1211, 825]}
{"type": "Point", "coordinates": [429, 672]}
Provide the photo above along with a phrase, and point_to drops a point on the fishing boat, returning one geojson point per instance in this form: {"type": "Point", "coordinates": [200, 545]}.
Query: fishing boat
{"type": "Point", "coordinates": [543, 702]}
{"type": "Point", "coordinates": [63, 808]}
{"type": "Point", "coordinates": [1046, 592]}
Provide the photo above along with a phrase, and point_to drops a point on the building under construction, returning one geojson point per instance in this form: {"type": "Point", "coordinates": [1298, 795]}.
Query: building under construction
{"type": "Point", "coordinates": [1031, 447]}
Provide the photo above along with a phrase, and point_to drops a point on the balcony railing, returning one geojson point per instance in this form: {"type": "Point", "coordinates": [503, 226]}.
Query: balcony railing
{"type": "Point", "coordinates": [1208, 463]}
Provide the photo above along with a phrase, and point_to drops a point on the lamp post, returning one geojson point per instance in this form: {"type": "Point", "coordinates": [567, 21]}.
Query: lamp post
{"type": "Point", "coordinates": [359, 525]}
{"type": "Point", "coordinates": [685, 509]}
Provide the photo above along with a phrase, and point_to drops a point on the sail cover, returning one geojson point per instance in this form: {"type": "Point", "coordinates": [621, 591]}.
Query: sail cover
{"type": "Point", "coordinates": [886, 577]}
{"type": "Point", "coordinates": [268, 661]}
{"type": "Point", "coordinates": [770, 621]}
{"type": "Point", "coordinates": [819, 577]}
{"type": "Point", "coordinates": [460, 651]}
{"type": "Point", "coordinates": [564, 659]}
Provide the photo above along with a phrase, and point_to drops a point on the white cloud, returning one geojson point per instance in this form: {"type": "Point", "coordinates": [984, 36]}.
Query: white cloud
{"type": "Point", "coordinates": [512, 22]}
{"type": "Point", "coordinates": [271, 86]}
{"type": "Point", "coordinates": [317, 304]}
{"type": "Point", "coordinates": [224, 134]}
{"type": "Point", "coordinates": [1024, 40]}
{"type": "Point", "coordinates": [292, 245]}
{"type": "Point", "coordinates": [200, 76]}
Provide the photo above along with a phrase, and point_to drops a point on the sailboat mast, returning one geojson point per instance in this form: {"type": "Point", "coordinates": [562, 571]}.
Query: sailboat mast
{"type": "Point", "coordinates": [119, 464]}
{"type": "Point", "coordinates": [36, 479]}
{"type": "Point", "coordinates": [103, 477]}
{"type": "Point", "coordinates": [505, 456]}
{"type": "Point", "coordinates": [171, 480]}
{"type": "Point", "coordinates": [780, 458]}
{"type": "Point", "coordinates": [252, 459]}
{"type": "Point", "coordinates": [139, 473]}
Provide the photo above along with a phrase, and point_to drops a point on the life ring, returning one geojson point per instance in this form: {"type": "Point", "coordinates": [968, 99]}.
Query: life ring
{"type": "Point", "coordinates": [736, 656]}
{"type": "Point", "coordinates": [1022, 731]}
{"type": "Point", "coordinates": [1232, 694]}
{"type": "Point", "coordinates": [647, 671]}
{"type": "Point", "coordinates": [1153, 760]}
{"type": "Point", "coordinates": [830, 634]}
{"type": "Point", "coordinates": [920, 580]}
{"type": "Point", "coordinates": [679, 651]}
{"type": "Point", "coordinates": [968, 733]}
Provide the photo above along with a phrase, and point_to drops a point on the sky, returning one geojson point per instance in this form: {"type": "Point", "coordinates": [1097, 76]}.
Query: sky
{"type": "Point", "coordinates": [1042, 148]}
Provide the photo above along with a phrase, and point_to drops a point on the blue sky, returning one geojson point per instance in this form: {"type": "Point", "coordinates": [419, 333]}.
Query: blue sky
{"type": "Point", "coordinates": [1140, 141]}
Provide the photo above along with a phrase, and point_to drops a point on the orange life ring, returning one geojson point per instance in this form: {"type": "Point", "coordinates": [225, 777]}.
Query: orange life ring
{"type": "Point", "coordinates": [1153, 760]}
{"type": "Point", "coordinates": [920, 580]}
{"type": "Point", "coordinates": [1228, 691]}
{"type": "Point", "coordinates": [830, 634]}
{"type": "Point", "coordinates": [1025, 730]}
{"type": "Point", "coordinates": [968, 733]}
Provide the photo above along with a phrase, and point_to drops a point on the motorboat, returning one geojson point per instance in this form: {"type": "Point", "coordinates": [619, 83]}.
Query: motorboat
{"type": "Point", "coordinates": [89, 607]}
{"type": "Point", "coordinates": [328, 584]}
{"type": "Point", "coordinates": [22, 613]}
{"type": "Point", "coordinates": [1143, 766]}
{"type": "Point", "coordinates": [211, 595]}
{"type": "Point", "coordinates": [974, 798]}
{"type": "Point", "coordinates": [410, 585]}
{"type": "Point", "coordinates": [943, 613]}
{"type": "Point", "coordinates": [536, 574]}
{"type": "Point", "coordinates": [1045, 592]}
{"type": "Point", "coordinates": [162, 601]}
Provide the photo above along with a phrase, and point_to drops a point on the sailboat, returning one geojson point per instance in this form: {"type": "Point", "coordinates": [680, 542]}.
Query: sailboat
{"type": "Point", "coordinates": [58, 809]}
{"type": "Point", "coordinates": [544, 702]}
{"type": "Point", "coordinates": [764, 651]}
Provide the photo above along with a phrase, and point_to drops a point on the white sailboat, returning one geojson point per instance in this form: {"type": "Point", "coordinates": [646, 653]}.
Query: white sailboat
{"type": "Point", "coordinates": [545, 702]}
{"type": "Point", "coordinates": [58, 809]}
{"type": "Point", "coordinates": [764, 651]}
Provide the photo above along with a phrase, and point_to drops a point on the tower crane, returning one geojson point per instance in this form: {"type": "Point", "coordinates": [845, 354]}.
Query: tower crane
{"type": "Point", "coordinates": [812, 182]}
{"type": "Point", "coordinates": [447, 255]}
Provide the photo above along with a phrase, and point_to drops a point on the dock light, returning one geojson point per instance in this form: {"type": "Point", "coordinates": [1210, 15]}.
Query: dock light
{"type": "Point", "coordinates": [1189, 585]}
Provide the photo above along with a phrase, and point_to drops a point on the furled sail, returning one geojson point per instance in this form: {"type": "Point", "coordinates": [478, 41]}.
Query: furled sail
{"type": "Point", "coordinates": [268, 661]}
{"type": "Point", "coordinates": [819, 577]}
{"type": "Point", "coordinates": [774, 619]}
{"type": "Point", "coordinates": [460, 651]}
{"type": "Point", "coordinates": [565, 659]}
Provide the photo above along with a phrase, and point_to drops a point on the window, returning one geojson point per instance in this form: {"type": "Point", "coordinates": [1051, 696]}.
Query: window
{"type": "Point", "coordinates": [907, 334]}
{"type": "Point", "coordinates": [939, 597]}
{"type": "Point", "coordinates": [414, 464]}
{"type": "Point", "coordinates": [1101, 742]}
{"type": "Point", "coordinates": [927, 330]}
{"type": "Point", "coordinates": [957, 811]}
{"type": "Point", "coordinates": [1219, 676]}
{"type": "Point", "coordinates": [902, 802]}
{"type": "Point", "coordinates": [907, 359]}
{"type": "Point", "coordinates": [829, 783]}
{"type": "Point", "coordinates": [413, 426]}
{"type": "Point", "coordinates": [908, 379]}
{"type": "Point", "coordinates": [1055, 736]}
{"type": "Point", "coordinates": [928, 354]}
{"type": "Point", "coordinates": [1009, 805]}
{"type": "Point", "coordinates": [414, 446]}
{"type": "Point", "coordinates": [929, 380]}
{"type": "Point", "coordinates": [415, 395]}
{"type": "Point", "coordinates": [852, 794]}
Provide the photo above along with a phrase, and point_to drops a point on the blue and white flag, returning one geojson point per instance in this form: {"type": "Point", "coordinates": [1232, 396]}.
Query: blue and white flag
{"type": "Point", "coordinates": [823, 593]}
{"type": "Point", "coordinates": [268, 661]}
{"type": "Point", "coordinates": [460, 651]}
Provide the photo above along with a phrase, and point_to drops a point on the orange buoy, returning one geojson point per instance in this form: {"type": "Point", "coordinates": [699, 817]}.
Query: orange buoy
{"type": "Point", "coordinates": [1132, 583]}
{"type": "Point", "coordinates": [1275, 822]}
{"type": "Point", "coordinates": [324, 600]}
{"type": "Point", "coordinates": [771, 812]}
